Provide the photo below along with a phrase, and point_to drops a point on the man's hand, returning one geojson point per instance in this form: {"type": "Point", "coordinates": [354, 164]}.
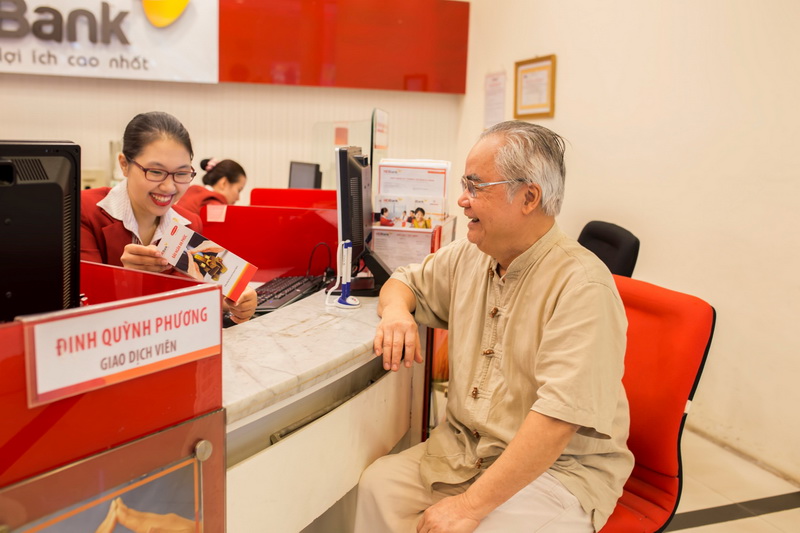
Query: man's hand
{"type": "Point", "coordinates": [397, 331]}
{"type": "Point", "coordinates": [452, 515]}
{"type": "Point", "coordinates": [147, 258]}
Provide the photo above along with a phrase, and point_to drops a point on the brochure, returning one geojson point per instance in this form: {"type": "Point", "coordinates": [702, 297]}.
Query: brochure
{"type": "Point", "coordinates": [410, 211]}
{"type": "Point", "coordinates": [412, 193]}
{"type": "Point", "coordinates": [205, 260]}
{"type": "Point", "coordinates": [413, 177]}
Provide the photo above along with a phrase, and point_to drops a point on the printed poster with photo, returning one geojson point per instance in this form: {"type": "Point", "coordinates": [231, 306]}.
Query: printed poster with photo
{"type": "Point", "coordinates": [164, 500]}
{"type": "Point", "coordinates": [172, 479]}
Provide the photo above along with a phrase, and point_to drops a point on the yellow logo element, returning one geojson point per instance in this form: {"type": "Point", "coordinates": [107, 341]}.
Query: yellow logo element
{"type": "Point", "coordinates": [162, 13]}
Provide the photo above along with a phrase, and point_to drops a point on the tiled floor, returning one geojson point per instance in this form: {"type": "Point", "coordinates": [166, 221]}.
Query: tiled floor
{"type": "Point", "coordinates": [720, 485]}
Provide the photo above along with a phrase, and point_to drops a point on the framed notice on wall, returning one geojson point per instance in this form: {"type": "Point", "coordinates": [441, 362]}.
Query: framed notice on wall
{"type": "Point", "coordinates": [535, 87]}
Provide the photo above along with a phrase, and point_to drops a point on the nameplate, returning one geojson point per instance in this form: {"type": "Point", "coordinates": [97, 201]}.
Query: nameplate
{"type": "Point", "coordinates": [78, 350]}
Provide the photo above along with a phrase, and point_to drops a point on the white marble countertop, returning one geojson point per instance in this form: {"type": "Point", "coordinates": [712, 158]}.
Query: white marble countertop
{"type": "Point", "coordinates": [280, 354]}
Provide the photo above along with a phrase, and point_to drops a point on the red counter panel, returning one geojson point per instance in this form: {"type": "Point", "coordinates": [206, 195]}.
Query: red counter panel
{"type": "Point", "coordinates": [34, 440]}
{"type": "Point", "coordinates": [313, 198]}
{"type": "Point", "coordinates": [280, 241]}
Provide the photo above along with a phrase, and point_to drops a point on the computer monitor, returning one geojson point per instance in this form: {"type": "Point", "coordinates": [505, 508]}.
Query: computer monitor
{"type": "Point", "coordinates": [304, 175]}
{"type": "Point", "coordinates": [39, 227]}
{"type": "Point", "coordinates": [379, 142]}
{"type": "Point", "coordinates": [354, 203]}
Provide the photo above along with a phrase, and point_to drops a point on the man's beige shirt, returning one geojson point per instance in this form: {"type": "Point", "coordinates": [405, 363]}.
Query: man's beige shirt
{"type": "Point", "coordinates": [548, 336]}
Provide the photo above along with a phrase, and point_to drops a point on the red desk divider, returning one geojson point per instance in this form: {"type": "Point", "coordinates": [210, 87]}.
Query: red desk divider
{"type": "Point", "coordinates": [36, 440]}
{"type": "Point", "coordinates": [278, 240]}
{"type": "Point", "coordinates": [316, 198]}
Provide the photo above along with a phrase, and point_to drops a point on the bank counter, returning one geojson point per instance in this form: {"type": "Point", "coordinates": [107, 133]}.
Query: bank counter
{"type": "Point", "coordinates": [309, 407]}
{"type": "Point", "coordinates": [266, 425]}
{"type": "Point", "coordinates": [273, 426]}
{"type": "Point", "coordinates": [117, 402]}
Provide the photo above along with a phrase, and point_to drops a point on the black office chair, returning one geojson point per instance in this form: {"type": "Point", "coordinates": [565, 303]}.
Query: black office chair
{"type": "Point", "coordinates": [617, 247]}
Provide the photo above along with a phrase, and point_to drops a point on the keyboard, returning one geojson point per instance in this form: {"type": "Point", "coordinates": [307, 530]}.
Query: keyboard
{"type": "Point", "coordinates": [284, 290]}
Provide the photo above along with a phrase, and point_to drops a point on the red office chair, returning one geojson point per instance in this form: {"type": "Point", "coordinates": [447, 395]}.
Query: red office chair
{"type": "Point", "coordinates": [669, 334]}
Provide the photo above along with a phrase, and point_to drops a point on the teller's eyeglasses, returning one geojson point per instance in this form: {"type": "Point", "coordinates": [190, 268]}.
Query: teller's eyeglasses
{"type": "Point", "coordinates": [158, 175]}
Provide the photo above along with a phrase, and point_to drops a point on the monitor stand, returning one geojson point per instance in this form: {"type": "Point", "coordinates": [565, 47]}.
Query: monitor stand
{"type": "Point", "coordinates": [369, 285]}
{"type": "Point", "coordinates": [361, 286]}
{"type": "Point", "coordinates": [364, 286]}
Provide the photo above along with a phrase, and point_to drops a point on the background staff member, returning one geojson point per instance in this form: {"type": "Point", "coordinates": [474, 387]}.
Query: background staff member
{"type": "Point", "coordinates": [537, 417]}
{"type": "Point", "coordinates": [223, 184]}
{"type": "Point", "coordinates": [121, 225]}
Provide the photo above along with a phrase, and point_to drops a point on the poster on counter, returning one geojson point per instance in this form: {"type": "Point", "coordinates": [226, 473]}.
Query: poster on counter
{"type": "Point", "coordinates": [169, 480]}
{"type": "Point", "coordinates": [75, 351]}
{"type": "Point", "coordinates": [400, 247]}
{"type": "Point", "coordinates": [164, 500]}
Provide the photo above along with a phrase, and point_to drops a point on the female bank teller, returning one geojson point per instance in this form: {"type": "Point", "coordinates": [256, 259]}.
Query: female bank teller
{"type": "Point", "coordinates": [120, 225]}
{"type": "Point", "coordinates": [222, 185]}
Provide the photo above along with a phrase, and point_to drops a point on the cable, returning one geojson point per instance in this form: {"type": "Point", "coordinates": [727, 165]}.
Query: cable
{"type": "Point", "coordinates": [325, 244]}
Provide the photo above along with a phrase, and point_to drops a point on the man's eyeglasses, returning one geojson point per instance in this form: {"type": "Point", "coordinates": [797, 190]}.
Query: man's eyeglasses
{"type": "Point", "coordinates": [472, 187]}
{"type": "Point", "coordinates": [158, 175]}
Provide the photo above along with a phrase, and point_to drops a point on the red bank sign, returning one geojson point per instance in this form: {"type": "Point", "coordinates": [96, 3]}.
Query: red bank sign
{"type": "Point", "coordinates": [401, 45]}
{"type": "Point", "coordinates": [410, 45]}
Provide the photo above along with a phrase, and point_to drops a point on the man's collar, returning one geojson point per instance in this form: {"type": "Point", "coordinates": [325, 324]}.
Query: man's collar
{"type": "Point", "coordinates": [534, 252]}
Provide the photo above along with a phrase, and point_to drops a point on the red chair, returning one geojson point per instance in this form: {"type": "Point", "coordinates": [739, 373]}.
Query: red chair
{"type": "Point", "coordinates": [669, 334]}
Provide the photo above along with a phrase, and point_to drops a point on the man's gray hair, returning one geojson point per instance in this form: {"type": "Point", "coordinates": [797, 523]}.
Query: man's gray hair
{"type": "Point", "coordinates": [531, 154]}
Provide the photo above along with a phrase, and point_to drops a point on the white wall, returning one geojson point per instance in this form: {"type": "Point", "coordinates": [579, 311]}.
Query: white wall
{"type": "Point", "coordinates": [263, 127]}
{"type": "Point", "coordinates": [683, 124]}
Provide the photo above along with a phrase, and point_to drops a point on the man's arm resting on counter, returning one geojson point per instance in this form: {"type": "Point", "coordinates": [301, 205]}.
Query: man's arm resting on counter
{"type": "Point", "coordinates": [536, 446]}
{"type": "Point", "coordinates": [397, 330]}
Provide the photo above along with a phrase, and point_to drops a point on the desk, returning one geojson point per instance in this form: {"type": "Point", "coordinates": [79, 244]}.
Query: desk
{"type": "Point", "coordinates": [290, 456]}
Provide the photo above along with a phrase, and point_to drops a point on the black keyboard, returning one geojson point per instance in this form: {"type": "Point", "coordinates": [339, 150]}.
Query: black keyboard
{"type": "Point", "coordinates": [284, 290]}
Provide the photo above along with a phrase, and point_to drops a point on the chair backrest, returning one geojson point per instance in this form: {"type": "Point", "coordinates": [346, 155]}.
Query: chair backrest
{"type": "Point", "coordinates": [617, 247]}
{"type": "Point", "coordinates": [669, 334]}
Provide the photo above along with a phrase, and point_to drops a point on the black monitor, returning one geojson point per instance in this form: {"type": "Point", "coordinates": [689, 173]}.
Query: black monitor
{"type": "Point", "coordinates": [304, 175]}
{"type": "Point", "coordinates": [39, 227]}
{"type": "Point", "coordinates": [354, 203]}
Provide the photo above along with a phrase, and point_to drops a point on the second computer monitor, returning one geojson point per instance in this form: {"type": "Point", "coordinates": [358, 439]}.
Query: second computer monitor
{"type": "Point", "coordinates": [40, 229]}
{"type": "Point", "coordinates": [304, 175]}
{"type": "Point", "coordinates": [355, 215]}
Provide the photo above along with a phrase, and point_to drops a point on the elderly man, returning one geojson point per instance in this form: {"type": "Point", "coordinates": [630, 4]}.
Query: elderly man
{"type": "Point", "coordinates": [537, 417]}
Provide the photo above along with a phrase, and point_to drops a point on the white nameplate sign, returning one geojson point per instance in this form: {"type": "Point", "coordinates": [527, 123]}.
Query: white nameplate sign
{"type": "Point", "coordinates": [78, 350]}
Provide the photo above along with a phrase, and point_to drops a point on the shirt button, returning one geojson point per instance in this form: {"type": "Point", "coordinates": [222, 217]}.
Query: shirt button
{"type": "Point", "coordinates": [475, 392]}
{"type": "Point", "coordinates": [476, 434]}
{"type": "Point", "coordinates": [488, 352]}
{"type": "Point", "coordinates": [478, 463]}
{"type": "Point", "coordinates": [493, 312]}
